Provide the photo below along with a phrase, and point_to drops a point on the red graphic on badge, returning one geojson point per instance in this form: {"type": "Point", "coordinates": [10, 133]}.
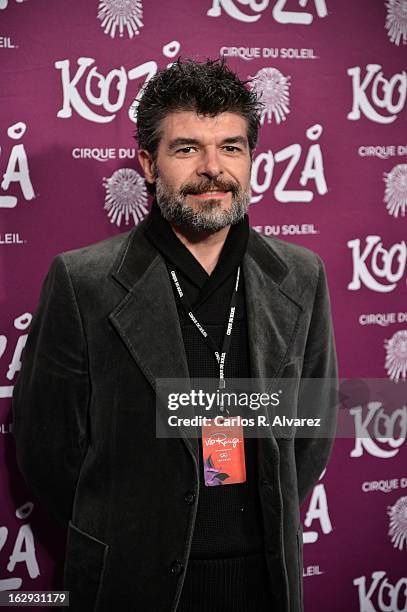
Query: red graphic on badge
{"type": "Point", "coordinates": [223, 454]}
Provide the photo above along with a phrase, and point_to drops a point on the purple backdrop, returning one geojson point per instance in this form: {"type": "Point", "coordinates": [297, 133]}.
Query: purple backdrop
{"type": "Point", "coordinates": [330, 173]}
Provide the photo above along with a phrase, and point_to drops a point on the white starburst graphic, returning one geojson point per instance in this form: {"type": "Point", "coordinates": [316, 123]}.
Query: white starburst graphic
{"type": "Point", "coordinates": [272, 87]}
{"type": "Point", "coordinates": [126, 196]}
{"type": "Point", "coordinates": [396, 357]}
{"type": "Point", "coordinates": [4, 3]}
{"type": "Point", "coordinates": [122, 15]}
{"type": "Point", "coordinates": [396, 21]}
{"type": "Point", "coordinates": [396, 190]}
{"type": "Point", "coordinates": [398, 523]}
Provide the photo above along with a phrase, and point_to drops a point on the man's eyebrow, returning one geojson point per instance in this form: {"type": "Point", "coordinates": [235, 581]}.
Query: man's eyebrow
{"type": "Point", "coordinates": [182, 141]}
{"type": "Point", "coordinates": [177, 142]}
{"type": "Point", "coordinates": [235, 140]}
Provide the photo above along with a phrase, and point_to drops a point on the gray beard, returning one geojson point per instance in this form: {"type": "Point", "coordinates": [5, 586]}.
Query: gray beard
{"type": "Point", "coordinates": [207, 218]}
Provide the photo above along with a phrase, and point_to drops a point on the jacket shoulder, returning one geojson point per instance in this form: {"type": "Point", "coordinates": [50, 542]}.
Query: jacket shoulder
{"type": "Point", "coordinates": [293, 256]}
{"type": "Point", "coordinates": [292, 253]}
{"type": "Point", "coordinates": [105, 249]}
{"type": "Point", "coordinates": [299, 266]}
{"type": "Point", "coordinates": [97, 258]}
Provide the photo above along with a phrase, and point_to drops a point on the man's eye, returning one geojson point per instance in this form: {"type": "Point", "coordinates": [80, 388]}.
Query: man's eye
{"type": "Point", "coordinates": [231, 149]}
{"type": "Point", "coordinates": [185, 150]}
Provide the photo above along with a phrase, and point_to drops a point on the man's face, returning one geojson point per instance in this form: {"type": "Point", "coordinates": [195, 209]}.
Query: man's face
{"type": "Point", "coordinates": [202, 170]}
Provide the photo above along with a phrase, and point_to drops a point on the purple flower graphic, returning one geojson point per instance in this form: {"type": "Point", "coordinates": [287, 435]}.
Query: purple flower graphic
{"type": "Point", "coordinates": [213, 477]}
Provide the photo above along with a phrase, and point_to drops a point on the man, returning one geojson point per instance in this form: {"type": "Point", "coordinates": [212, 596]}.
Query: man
{"type": "Point", "coordinates": [148, 529]}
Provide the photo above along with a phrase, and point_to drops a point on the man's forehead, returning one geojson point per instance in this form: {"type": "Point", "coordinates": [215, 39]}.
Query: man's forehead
{"type": "Point", "coordinates": [189, 123]}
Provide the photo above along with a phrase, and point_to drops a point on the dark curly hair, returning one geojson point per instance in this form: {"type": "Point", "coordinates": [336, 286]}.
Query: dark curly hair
{"type": "Point", "coordinates": [207, 88]}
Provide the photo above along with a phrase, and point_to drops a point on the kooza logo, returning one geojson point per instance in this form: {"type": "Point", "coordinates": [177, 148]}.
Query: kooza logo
{"type": "Point", "coordinates": [396, 21]}
{"type": "Point", "coordinates": [396, 356]}
{"type": "Point", "coordinates": [395, 195]}
{"type": "Point", "coordinates": [381, 595]}
{"type": "Point", "coordinates": [398, 523]}
{"type": "Point", "coordinates": [384, 427]}
{"type": "Point", "coordinates": [317, 514]}
{"type": "Point", "coordinates": [257, 7]}
{"type": "Point", "coordinates": [374, 264]}
{"type": "Point", "coordinates": [21, 324]}
{"type": "Point", "coordinates": [79, 89]}
{"type": "Point", "coordinates": [121, 15]}
{"type": "Point", "coordinates": [17, 170]}
{"type": "Point", "coordinates": [112, 88]}
{"type": "Point", "coordinates": [23, 558]}
{"type": "Point", "coordinates": [388, 94]}
{"type": "Point", "coordinates": [312, 170]}
{"type": "Point", "coordinates": [272, 87]}
{"type": "Point", "coordinates": [126, 196]}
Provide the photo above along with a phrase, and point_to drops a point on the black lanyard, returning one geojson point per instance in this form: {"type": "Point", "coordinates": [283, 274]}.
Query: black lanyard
{"type": "Point", "coordinates": [228, 334]}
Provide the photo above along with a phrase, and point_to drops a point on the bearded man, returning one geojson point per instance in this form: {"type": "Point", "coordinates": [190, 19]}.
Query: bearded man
{"type": "Point", "coordinates": [191, 292]}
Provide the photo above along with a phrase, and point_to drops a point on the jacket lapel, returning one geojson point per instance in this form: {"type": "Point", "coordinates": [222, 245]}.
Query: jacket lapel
{"type": "Point", "coordinates": [272, 323]}
{"type": "Point", "coordinates": [272, 316]}
{"type": "Point", "coordinates": [146, 318]}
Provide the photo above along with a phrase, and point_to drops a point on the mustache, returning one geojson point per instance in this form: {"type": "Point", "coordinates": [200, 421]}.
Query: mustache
{"type": "Point", "coordinates": [209, 185]}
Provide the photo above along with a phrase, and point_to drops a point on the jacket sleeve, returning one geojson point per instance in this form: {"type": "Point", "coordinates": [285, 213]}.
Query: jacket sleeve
{"type": "Point", "coordinates": [318, 398]}
{"type": "Point", "coordinates": [51, 395]}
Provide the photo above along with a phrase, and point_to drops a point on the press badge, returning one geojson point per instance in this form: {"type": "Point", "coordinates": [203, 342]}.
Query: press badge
{"type": "Point", "coordinates": [223, 454]}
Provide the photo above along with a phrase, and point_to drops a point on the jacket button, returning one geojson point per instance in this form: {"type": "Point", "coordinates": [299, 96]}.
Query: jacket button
{"type": "Point", "coordinates": [190, 497]}
{"type": "Point", "coordinates": [177, 567]}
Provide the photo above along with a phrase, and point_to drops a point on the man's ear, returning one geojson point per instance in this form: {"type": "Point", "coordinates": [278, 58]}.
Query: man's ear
{"type": "Point", "coordinates": [146, 162]}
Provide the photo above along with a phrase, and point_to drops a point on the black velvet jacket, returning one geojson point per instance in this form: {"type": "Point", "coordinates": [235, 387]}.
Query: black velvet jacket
{"type": "Point", "coordinates": [84, 416]}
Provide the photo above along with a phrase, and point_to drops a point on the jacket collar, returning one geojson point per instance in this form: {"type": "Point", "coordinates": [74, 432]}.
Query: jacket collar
{"type": "Point", "coordinates": [138, 253]}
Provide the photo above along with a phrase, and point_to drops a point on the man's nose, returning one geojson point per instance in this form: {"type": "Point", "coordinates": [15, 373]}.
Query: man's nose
{"type": "Point", "coordinates": [210, 164]}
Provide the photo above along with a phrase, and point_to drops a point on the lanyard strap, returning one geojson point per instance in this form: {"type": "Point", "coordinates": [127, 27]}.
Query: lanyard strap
{"type": "Point", "coordinates": [220, 358]}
